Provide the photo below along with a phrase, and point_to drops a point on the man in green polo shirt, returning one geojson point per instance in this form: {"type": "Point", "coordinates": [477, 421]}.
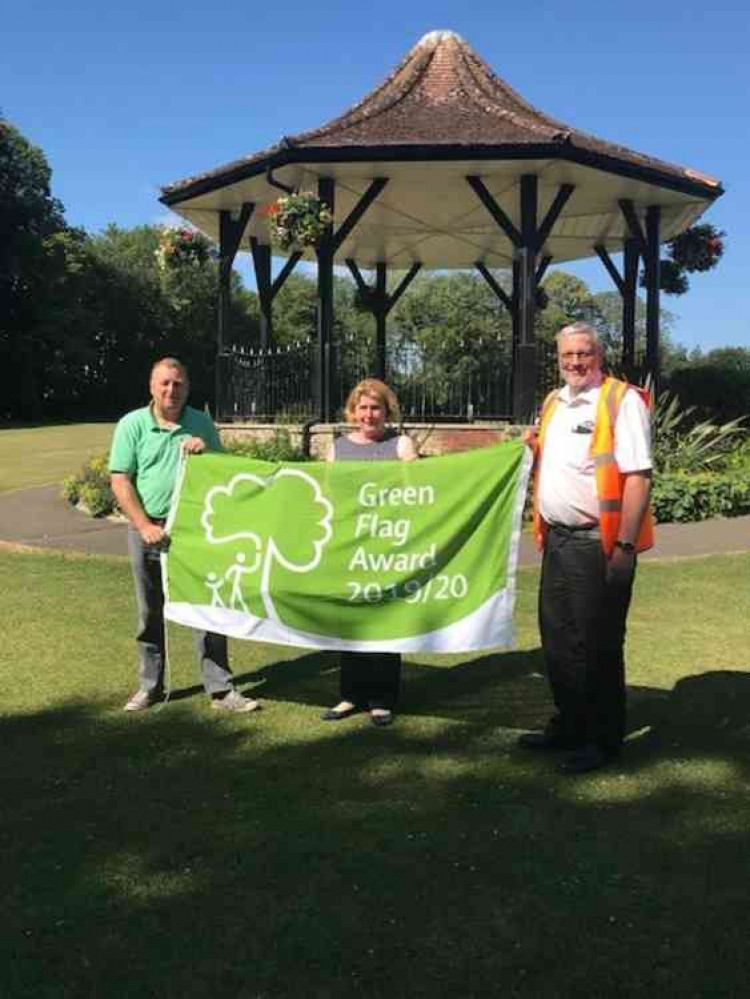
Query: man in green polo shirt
{"type": "Point", "coordinates": [143, 465]}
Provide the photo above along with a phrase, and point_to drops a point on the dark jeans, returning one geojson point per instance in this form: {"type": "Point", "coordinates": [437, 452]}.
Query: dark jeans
{"type": "Point", "coordinates": [371, 679]}
{"type": "Point", "coordinates": [211, 649]}
{"type": "Point", "coordinates": [582, 615]}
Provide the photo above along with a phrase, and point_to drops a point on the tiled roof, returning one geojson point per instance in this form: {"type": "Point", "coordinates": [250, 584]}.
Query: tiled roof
{"type": "Point", "coordinates": [444, 95]}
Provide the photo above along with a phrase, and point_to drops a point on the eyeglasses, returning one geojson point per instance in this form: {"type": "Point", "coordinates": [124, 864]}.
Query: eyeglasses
{"type": "Point", "coordinates": [576, 355]}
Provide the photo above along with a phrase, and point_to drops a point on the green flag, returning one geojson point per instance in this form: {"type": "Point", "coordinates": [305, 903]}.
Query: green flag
{"type": "Point", "coordinates": [375, 556]}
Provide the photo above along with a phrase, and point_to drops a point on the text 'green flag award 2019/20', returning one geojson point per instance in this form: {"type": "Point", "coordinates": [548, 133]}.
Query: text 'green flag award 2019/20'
{"type": "Point", "coordinates": [372, 556]}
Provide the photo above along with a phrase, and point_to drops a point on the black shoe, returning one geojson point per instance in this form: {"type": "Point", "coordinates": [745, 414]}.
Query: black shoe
{"type": "Point", "coordinates": [331, 715]}
{"type": "Point", "coordinates": [543, 741]}
{"type": "Point", "coordinates": [382, 720]}
{"type": "Point", "coordinates": [584, 760]}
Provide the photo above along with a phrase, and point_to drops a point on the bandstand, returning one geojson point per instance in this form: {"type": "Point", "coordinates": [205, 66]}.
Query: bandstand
{"type": "Point", "coordinates": [444, 166]}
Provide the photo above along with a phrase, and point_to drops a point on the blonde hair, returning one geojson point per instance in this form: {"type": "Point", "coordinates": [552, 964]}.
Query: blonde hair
{"type": "Point", "coordinates": [376, 390]}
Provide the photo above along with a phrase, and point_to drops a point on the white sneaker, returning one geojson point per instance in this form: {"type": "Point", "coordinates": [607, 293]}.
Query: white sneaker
{"type": "Point", "coordinates": [235, 701]}
{"type": "Point", "coordinates": [141, 701]}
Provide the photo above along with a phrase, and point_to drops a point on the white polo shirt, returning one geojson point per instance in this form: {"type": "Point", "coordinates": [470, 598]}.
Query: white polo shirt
{"type": "Point", "coordinates": [567, 480]}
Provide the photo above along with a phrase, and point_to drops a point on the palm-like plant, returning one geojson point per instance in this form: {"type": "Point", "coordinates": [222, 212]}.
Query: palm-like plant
{"type": "Point", "coordinates": [680, 444]}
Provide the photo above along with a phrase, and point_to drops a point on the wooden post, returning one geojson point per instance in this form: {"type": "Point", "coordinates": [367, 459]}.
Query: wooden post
{"type": "Point", "coordinates": [326, 360]}
{"type": "Point", "coordinates": [524, 367]}
{"type": "Point", "coordinates": [629, 300]}
{"type": "Point", "coordinates": [653, 278]}
{"type": "Point", "coordinates": [381, 318]}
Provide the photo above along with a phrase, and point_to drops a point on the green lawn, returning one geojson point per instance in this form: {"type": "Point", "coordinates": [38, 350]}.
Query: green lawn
{"type": "Point", "coordinates": [180, 853]}
{"type": "Point", "coordinates": [40, 456]}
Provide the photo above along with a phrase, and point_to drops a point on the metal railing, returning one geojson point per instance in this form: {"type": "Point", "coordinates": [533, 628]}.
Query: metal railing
{"type": "Point", "coordinates": [276, 384]}
{"type": "Point", "coordinates": [471, 381]}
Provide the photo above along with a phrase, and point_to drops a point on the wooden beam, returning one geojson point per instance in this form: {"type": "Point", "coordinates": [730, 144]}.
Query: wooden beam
{"type": "Point", "coordinates": [230, 236]}
{"type": "Point", "coordinates": [355, 272]}
{"type": "Point", "coordinates": [477, 186]}
{"type": "Point", "coordinates": [500, 292]}
{"type": "Point", "coordinates": [542, 268]}
{"type": "Point", "coordinates": [403, 285]}
{"type": "Point", "coordinates": [231, 233]}
{"type": "Point", "coordinates": [358, 211]}
{"type": "Point", "coordinates": [601, 252]}
{"type": "Point", "coordinates": [634, 225]}
{"type": "Point", "coordinates": [286, 270]}
{"type": "Point", "coordinates": [561, 199]}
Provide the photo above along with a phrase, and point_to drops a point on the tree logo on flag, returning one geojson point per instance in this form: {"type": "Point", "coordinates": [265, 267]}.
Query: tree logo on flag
{"type": "Point", "coordinates": [245, 585]}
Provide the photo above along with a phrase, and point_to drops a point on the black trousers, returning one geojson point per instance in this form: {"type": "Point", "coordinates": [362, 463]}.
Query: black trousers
{"type": "Point", "coordinates": [371, 679]}
{"type": "Point", "coordinates": [582, 615]}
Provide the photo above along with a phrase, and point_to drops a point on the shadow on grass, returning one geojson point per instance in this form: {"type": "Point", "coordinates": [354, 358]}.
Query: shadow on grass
{"type": "Point", "coordinates": [498, 689]}
{"type": "Point", "coordinates": [177, 853]}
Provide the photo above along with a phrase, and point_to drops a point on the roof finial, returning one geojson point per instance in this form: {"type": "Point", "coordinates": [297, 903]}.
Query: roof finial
{"type": "Point", "coordinates": [433, 38]}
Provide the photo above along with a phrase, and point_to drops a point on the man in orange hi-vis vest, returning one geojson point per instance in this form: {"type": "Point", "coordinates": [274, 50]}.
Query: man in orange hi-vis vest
{"type": "Point", "coordinates": [592, 485]}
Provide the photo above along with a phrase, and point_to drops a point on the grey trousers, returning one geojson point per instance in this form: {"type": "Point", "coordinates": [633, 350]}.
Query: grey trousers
{"type": "Point", "coordinates": [211, 649]}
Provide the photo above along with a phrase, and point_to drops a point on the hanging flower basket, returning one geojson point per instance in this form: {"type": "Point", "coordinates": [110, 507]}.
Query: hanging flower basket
{"type": "Point", "coordinates": [181, 246]}
{"type": "Point", "coordinates": [697, 249]}
{"type": "Point", "coordinates": [671, 279]}
{"type": "Point", "coordinates": [299, 221]}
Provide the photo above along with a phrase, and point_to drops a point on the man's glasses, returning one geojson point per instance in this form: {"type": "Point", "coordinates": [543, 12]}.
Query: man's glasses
{"type": "Point", "coordinates": [576, 355]}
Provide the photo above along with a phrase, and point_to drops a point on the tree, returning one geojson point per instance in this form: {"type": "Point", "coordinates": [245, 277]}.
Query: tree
{"type": "Point", "coordinates": [450, 338]}
{"type": "Point", "coordinates": [29, 216]}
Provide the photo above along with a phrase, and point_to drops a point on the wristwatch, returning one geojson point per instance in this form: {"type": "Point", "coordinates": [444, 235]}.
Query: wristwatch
{"type": "Point", "coordinates": [626, 546]}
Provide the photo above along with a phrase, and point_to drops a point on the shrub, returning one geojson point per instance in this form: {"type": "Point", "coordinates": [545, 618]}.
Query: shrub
{"type": "Point", "coordinates": [683, 445]}
{"type": "Point", "coordinates": [685, 498]}
{"type": "Point", "coordinates": [738, 459]}
{"type": "Point", "coordinates": [90, 487]}
{"type": "Point", "coordinates": [718, 384]}
{"type": "Point", "coordinates": [278, 448]}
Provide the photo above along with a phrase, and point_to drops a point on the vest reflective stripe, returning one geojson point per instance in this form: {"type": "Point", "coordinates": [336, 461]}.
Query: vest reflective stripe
{"type": "Point", "coordinates": [609, 480]}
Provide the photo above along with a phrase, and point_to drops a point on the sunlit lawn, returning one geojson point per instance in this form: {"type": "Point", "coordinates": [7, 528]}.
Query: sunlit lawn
{"type": "Point", "coordinates": [180, 853]}
{"type": "Point", "coordinates": [40, 456]}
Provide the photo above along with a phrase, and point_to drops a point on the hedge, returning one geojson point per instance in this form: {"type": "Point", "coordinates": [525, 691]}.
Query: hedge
{"type": "Point", "coordinates": [685, 498]}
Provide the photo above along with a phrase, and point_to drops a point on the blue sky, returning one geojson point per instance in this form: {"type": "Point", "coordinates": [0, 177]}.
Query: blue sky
{"type": "Point", "coordinates": [124, 98]}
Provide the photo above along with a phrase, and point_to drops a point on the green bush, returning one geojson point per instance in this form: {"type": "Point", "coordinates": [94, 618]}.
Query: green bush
{"type": "Point", "coordinates": [738, 460]}
{"type": "Point", "coordinates": [90, 487]}
{"type": "Point", "coordinates": [278, 448]}
{"type": "Point", "coordinates": [685, 498]}
{"type": "Point", "coordinates": [715, 384]}
{"type": "Point", "coordinates": [682, 444]}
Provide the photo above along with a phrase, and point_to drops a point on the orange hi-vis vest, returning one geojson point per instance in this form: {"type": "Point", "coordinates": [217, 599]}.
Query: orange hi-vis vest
{"type": "Point", "coordinates": [609, 479]}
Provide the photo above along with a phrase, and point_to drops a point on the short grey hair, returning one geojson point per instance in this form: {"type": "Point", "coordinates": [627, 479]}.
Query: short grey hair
{"type": "Point", "coordinates": [170, 362]}
{"type": "Point", "coordinates": [581, 328]}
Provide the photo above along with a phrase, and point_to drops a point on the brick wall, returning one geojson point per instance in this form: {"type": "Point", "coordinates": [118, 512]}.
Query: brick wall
{"type": "Point", "coordinates": [431, 438]}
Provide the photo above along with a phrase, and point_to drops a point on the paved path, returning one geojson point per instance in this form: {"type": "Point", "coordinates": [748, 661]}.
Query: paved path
{"type": "Point", "coordinates": [40, 518]}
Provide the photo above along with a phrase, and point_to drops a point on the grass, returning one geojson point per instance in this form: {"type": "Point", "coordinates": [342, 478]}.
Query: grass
{"type": "Point", "coordinates": [41, 456]}
{"type": "Point", "coordinates": [182, 853]}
